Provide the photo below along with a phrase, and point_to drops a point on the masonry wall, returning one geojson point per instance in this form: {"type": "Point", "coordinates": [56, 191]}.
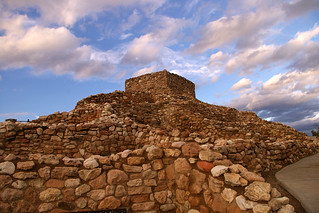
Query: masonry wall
{"type": "Point", "coordinates": [161, 83]}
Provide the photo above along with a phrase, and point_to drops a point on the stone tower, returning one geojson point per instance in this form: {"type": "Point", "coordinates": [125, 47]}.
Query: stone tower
{"type": "Point", "coordinates": [161, 83]}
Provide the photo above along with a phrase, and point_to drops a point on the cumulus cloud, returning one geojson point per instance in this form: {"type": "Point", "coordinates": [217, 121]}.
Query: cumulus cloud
{"type": "Point", "coordinates": [67, 12]}
{"type": "Point", "coordinates": [47, 49]}
{"type": "Point", "coordinates": [243, 83]}
{"type": "Point", "coordinates": [292, 98]}
{"type": "Point", "coordinates": [249, 27]}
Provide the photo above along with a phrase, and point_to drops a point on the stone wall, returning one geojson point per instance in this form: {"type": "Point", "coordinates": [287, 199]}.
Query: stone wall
{"type": "Point", "coordinates": [184, 177]}
{"type": "Point", "coordinates": [161, 84]}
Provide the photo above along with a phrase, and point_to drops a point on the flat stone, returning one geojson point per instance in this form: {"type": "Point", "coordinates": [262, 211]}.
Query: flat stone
{"type": "Point", "coordinates": [229, 194]}
{"type": "Point", "coordinates": [22, 206]}
{"type": "Point", "coordinates": [258, 191]}
{"type": "Point", "coordinates": [45, 207]}
{"type": "Point", "coordinates": [233, 179]}
{"type": "Point", "coordinates": [197, 179]}
{"type": "Point", "coordinates": [126, 153]}
{"type": "Point", "coordinates": [61, 172]}
{"type": "Point", "coordinates": [160, 196]}
{"type": "Point", "coordinates": [167, 207]}
{"type": "Point", "coordinates": [287, 209]}
{"type": "Point", "coordinates": [277, 203]}
{"type": "Point", "coordinates": [19, 184]}
{"type": "Point", "coordinates": [178, 144]}
{"type": "Point", "coordinates": [237, 168]}
{"type": "Point", "coordinates": [130, 169]}
{"type": "Point", "coordinates": [45, 172]}
{"type": "Point", "coordinates": [7, 168]}
{"type": "Point", "coordinates": [182, 166]}
{"type": "Point", "coordinates": [115, 176]}
{"type": "Point", "coordinates": [137, 190]}
{"type": "Point", "coordinates": [49, 159]}
{"type": "Point", "coordinates": [27, 165]}
{"type": "Point", "coordinates": [99, 182]}
{"type": "Point", "coordinates": [204, 166]}
{"type": "Point", "coordinates": [36, 183]}
{"type": "Point", "coordinates": [81, 202]}
{"type": "Point", "coordinates": [146, 206]}
{"type": "Point", "coordinates": [72, 161]}
{"type": "Point", "coordinates": [50, 195]}
{"type": "Point", "coordinates": [109, 203]}
{"type": "Point", "coordinates": [157, 164]}
{"type": "Point", "coordinates": [84, 188]}
{"type": "Point", "coordinates": [72, 182]}
{"type": "Point", "coordinates": [191, 149]}
{"type": "Point", "coordinates": [172, 153]}
{"type": "Point", "coordinates": [97, 194]}
{"type": "Point", "coordinates": [90, 174]}
{"type": "Point", "coordinates": [155, 153]}
{"type": "Point", "coordinates": [209, 156]}
{"type": "Point", "coordinates": [181, 196]}
{"type": "Point", "coordinates": [135, 160]}
{"type": "Point", "coordinates": [25, 175]}
{"type": "Point", "coordinates": [251, 177]}
{"type": "Point", "coordinates": [90, 163]}
{"type": "Point", "coordinates": [135, 182]}
{"type": "Point", "coordinates": [9, 195]}
{"type": "Point", "coordinates": [218, 170]}
{"type": "Point", "coordinates": [215, 185]}
{"type": "Point", "coordinates": [10, 157]}
{"type": "Point", "coordinates": [55, 183]}
{"type": "Point", "coordinates": [261, 208]}
{"type": "Point", "coordinates": [120, 191]}
{"type": "Point", "coordinates": [244, 204]}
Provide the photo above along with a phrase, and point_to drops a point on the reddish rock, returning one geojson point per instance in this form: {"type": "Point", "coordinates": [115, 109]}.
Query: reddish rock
{"type": "Point", "coordinates": [219, 205]}
{"type": "Point", "coordinates": [55, 183]}
{"type": "Point", "coordinates": [191, 149]}
{"type": "Point", "coordinates": [68, 194]}
{"type": "Point", "coordinates": [135, 160]}
{"type": "Point", "coordinates": [31, 195]}
{"type": "Point", "coordinates": [204, 166]}
{"type": "Point", "coordinates": [5, 207]}
{"type": "Point", "coordinates": [203, 209]}
{"type": "Point", "coordinates": [197, 179]}
{"type": "Point", "coordinates": [109, 203]}
{"type": "Point", "coordinates": [135, 190]}
{"type": "Point", "coordinates": [194, 201]}
{"type": "Point", "coordinates": [139, 198]}
{"type": "Point", "coordinates": [170, 172]}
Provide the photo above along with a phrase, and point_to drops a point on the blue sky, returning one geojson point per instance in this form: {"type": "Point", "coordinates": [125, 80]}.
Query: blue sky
{"type": "Point", "coordinates": [253, 55]}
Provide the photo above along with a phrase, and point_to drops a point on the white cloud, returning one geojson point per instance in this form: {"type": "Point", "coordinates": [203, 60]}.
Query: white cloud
{"type": "Point", "coordinates": [47, 49]}
{"type": "Point", "coordinates": [125, 36]}
{"type": "Point", "coordinates": [132, 20]}
{"type": "Point", "coordinates": [67, 12]}
{"type": "Point", "coordinates": [145, 71]}
{"type": "Point", "coordinates": [243, 83]}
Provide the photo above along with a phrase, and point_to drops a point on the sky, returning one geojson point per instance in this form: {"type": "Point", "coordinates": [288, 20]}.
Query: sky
{"type": "Point", "coordinates": [255, 55]}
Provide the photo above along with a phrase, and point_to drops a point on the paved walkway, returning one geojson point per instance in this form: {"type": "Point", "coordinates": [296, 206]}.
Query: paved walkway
{"type": "Point", "coordinates": [301, 179]}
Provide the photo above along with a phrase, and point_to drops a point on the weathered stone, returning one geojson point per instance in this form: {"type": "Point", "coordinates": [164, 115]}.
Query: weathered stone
{"type": "Point", "coordinates": [22, 206]}
{"type": "Point", "coordinates": [45, 207]}
{"type": "Point", "coordinates": [45, 172]}
{"type": "Point", "coordinates": [72, 161]}
{"type": "Point", "coordinates": [97, 194]}
{"type": "Point", "coordinates": [161, 196]}
{"type": "Point", "coordinates": [126, 153]}
{"type": "Point", "coordinates": [109, 190]}
{"type": "Point", "coordinates": [150, 182]}
{"type": "Point", "coordinates": [149, 174]}
{"type": "Point", "coordinates": [7, 168]}
{"type": "Point", "coordinates": [287, 209]}
{"type": "Point", "coordinates": [36, 183]}
{"type": "Point", "coordinates": [172, 152]}
{"type": "Point", "coordinates": [9, 195]}
{"type": "Point", "coordinates": [204, 166]}
{"type": "Point", "coordinates": [109, 203]}
{"type": "Point", "coordinates": [261, 208]}
{"type": "Point", "coordinates": [155, 153]}
{"type": "Point", "coordinates": [232, 179]}
{"type": "Point", "coordinates": [19, 184]}
{"type": "Point", "coordinates": [130, 169]}
{"type": "Point", "coordinates": [68, 194]}
{"type": "Point", "coordinates": [135, 182]}
{"type": "Point", "coordinates": [99, 182]}
{"type": "Point", "coordinates": [61, 172]}
{"type": "Point", "coordinates": [81, 202]}
{"type": "Point", "coordinates": [49, 159]}
{"type": "Point", "coordinates": [55, 183]}
{"type": "Point", "coordinates": [215, 185]}
{"type": "Point", "coordinates": [120, 191]}
{"type": "Point", "coordinates": [244, 204]}
{"type": "Point", "coordinates": [167, 207]}
{"type": "Point", "coordinates": [25, 175]}
{"type": "Point", "coordinates": [146, 206]}
{"type": "Point", "coordinates": [224, 162]}
{"type": "Point", "coordinates": [251, 177]}
{"type": "Point", "coordinates": [27, 165]}
{"type": "Point", "coordinates": [191, 149]}
{"type": "Point", "coordinates": [178, 144]}
{"type": "Point", "coordinates": [237, 168]}
{"type": "Point", "coordinates": [90, 163]}
{"type": "Point", "coordinates": [115, 176]}
{"type": "Point", "coordinates": [157, 164]}
{"type": "Point", "coordinates": [219, 205]}
{"type": "Point", "coordinates": [257, 191]}
{"type": "Point", "coordinates": [135, 190]}
{"type": "Point", "coordinates": [209, 156]}
{"type": "Point", "coordinates": [275, 193]}
{"type": "Point", "coordinates": [182, 166]}
{"type": "Point", "coordinates": [84, 188]}
{"type": "Point", "coordinates": [72, 182]}
{"type": "Point", "coordinates": [90, 174]}
{"type": "Point", "coordinates": [50, 194]}
{"type": "Point", "coordinates": [197, 179]}
{"type": "Point", "coordinates": [5, 207]}
{"type": "Point", "coordinates": [229, 194]}
{"type": "Point", "coordinates": [5, 180]}
{"type": "Point", "coordinates": [181, 196]}
{"type": "Point", "coordinates": [218, 170]}
{"type": "Point", "coordinates": [175, 133]}
{"type": "Point", "coordinates": [182, 182]}
{"type": "Point", "coordinates": [277, 203]}
{"type": "Point", "coordinates": [10, 157]}
{"type": "Point", "coordinates": [135, 160]}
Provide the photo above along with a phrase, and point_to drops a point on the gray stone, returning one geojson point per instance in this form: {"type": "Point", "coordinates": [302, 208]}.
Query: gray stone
{"type": "Point", "coordinates": [218, 170]}
{"type": "Point", "coordinates": [244, 204]}
{"type": "Point", "coordinates": [7, 168]}
{"type": "Point", "coordinates": [90, 163]}
{"type": "Point", "coordinates": [258, 191]}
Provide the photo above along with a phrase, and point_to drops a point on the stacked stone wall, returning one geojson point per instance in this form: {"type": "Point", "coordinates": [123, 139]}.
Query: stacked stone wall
{"type": "Point", "coordinates": [183, 177]}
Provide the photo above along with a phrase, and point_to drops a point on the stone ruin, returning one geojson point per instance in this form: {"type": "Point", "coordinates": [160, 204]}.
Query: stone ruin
{"type": "Point", "coordinates": [152, 148]}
